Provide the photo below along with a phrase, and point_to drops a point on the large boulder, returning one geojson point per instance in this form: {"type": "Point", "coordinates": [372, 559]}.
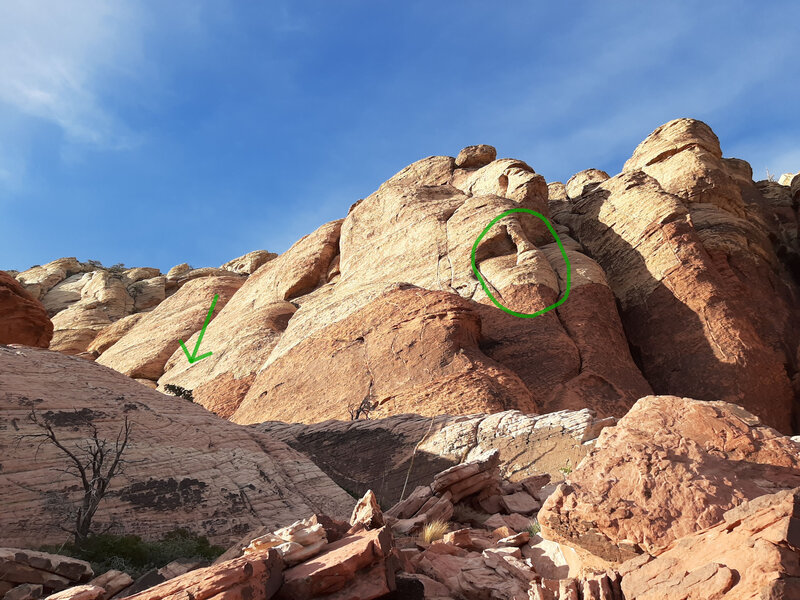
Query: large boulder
{"type": "Point", "coordinates": [671, 467]}
{"type": "Point", "coordinates": [249, 263]}
{"type": "Point", "coordinates": [358, 562]}
{"type": "Point", "coordinates": [686, 240]}
{"type": "Point", "coordinates": [751, 553]}
{"type": "Point", "coordinates": [23, 319]}
{"type": "Point", "coordinates": [185, 466]}
{"type": "Point", "coordinates": [250, 577]}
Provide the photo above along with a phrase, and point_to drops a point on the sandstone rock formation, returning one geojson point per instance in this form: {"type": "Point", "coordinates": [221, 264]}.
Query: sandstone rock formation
{"type": "Point", "coordinates": [188, 468]}
{"type": "Point", "coordinates": [751, 553]}
{"type": "Point", "coordinates": [388, 317]}
{"type": "Point", "coordinates": [407, 451]}
{"type": "Point", "coordinates": [251, 577]}
{"type": "Point", "coordinates": [23, 319]}
{"type": "Point", "coordinates": [85, 298]}
{"type": "Point", "coordinates": [143, 350]}
{"type": "Point", "coordinates": [246, 330]}
{"type": "Point", "coordinates": [671, 467]}
{"type": "Point", "coordinates": [684, 236]}
{"type": "Point", "coordinates": [28, 573]}
{"type": "Point", "coordinates": [385, 313]}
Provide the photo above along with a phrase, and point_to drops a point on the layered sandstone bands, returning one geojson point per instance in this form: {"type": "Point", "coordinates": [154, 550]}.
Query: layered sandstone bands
{"type": "Point", "coordinates": [188, 468]}
{"type": "Point", "coordinates": [93, 306]}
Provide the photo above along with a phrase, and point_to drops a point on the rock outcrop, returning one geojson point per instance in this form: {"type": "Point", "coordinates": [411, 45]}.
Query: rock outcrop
{"type": "Point", "coordinates": [751, 553]}
{"type": "Point", "coordinates": [23, 319]}
{"type": "Point", "coordinates": [389, 298]}
{"type": "Point", "coordinates": [31, 574]}
{"type": "Point", "coordinates": [91, 305]}
{"type": "Point", "coordinates": [671, 467]}
{"type": "Point", "coordinates": [406, 451]}
{"type": "Point", "coordinates": [684, 280]}
{"type": "Point", "coordinates": [144, 349]}
{"type": "Point", "coordinates": [417, 232]}
{"type": "Point", "coordinates": [684, 236]}
{"type": "Point", "coordinates": [187, 468]}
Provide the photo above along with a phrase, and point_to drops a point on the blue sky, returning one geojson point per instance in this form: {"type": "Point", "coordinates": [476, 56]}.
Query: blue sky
{"type": "Point", "coordinates": [153, 133]}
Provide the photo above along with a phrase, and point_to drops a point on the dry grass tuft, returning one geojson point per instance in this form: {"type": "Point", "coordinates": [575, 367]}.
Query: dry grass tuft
{"type": "Point", "coordinates": [434, 530]}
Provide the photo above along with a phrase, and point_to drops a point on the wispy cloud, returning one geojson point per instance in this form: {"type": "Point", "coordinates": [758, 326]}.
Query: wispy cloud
{"type": "Point", "coordinates": [58, 61]}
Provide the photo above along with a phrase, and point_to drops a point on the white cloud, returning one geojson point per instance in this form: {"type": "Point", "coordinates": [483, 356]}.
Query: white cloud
{"type": "Point", "coordinates": [58, 59]}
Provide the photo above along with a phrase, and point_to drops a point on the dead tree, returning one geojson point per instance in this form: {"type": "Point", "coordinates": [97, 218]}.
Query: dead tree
{"type": "Point", "coordinates": [362, 410]}
{"type": "Point", "coordinates": [95, 461]}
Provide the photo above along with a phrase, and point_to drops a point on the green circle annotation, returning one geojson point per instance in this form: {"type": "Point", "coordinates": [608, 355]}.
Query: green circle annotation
{"type": "Point", "coordinates": [560, 247]}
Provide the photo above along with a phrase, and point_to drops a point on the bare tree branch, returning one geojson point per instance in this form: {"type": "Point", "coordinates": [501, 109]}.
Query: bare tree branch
{"type": "Point", "coordinates": [88, 462]}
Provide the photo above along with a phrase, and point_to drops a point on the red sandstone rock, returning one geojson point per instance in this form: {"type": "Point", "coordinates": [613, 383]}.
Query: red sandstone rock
{"type": "Point", "coordinates": [367, 513]}
{"type": "Point", "coordinates": [252, 577]}
{"type": "Point", "coordinates": [339, 564]}
{"type": "Point", "coordinates": [244, 332]}
{"type": "Point", "coordinates": [188, 467]}
{"type": "Point", "coordinates": [751, 553]}
{"type": "Point", "coordinates": [23, 319]}
{"type": "Point", "coordinates": [671, 467]}
{"type": "Point", "coordinates": [684, 237]}
{"type": "Point", "coordinates": [423, 356]}
{"type": "Point", "coordinates": [143, 351]}
{"type": "Point", "coordinates": [80, 592]}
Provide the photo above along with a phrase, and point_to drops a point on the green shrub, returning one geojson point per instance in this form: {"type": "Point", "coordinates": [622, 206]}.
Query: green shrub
{"type": "Point", "coordinates": [179, 391]}
{"type": "Point", "coordinates": [135, 556]}
{"type": "Point", "coordinates": [534, 528]}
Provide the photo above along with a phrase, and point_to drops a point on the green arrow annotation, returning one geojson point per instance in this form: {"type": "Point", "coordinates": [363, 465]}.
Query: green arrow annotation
{"type": "Point", "coordinates": [193, 358]}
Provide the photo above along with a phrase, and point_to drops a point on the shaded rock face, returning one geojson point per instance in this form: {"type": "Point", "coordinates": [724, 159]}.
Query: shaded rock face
{"type": "Point", "coordinates": [23, 319]}
{"type": "Point", "coordinates": [671, 467]}
{"type": "Point", "coordinates": [385, 313]}
{"type": "Point", "coordinates": [188, 467]}
{"type": "Point", "coordinates": [685, 239]}
{"type": "Point", "coordinates": [406, 451]}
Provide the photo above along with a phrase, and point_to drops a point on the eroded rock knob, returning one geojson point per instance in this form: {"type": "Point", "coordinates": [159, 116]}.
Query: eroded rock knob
{"type": "Point", "coordinates": [473, 157]}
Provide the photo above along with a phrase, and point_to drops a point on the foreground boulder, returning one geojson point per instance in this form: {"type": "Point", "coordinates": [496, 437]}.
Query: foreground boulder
{"type": "Point", "coordinates": [362, 563]}
{"type": "Point", "coordinates": [250, 577]}
{"type": "Point", "coordinates": [23, 319]}
{"type": "Point", "coordinates": [671, 467]}
{"type": "Point", "coordinates": [27, 573]}
{"type": "Point", "coordinates": [752, 553]}
{"type": "Point", "coordinates": [187, 467]}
